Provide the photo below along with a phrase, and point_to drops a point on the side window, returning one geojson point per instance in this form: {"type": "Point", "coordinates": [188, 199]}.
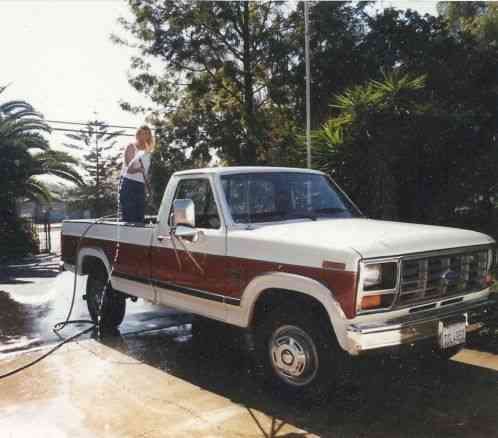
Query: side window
{"type": "Point", "coordinates": [199, 191]}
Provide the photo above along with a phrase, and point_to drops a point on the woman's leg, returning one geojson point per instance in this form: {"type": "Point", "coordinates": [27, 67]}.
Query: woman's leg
{"type": "Point", "coordinates": [135, 202]}
{"type": "Point", "coordinates": [126, 201]}
{"type": "Point", "coordinates": [140, 206]}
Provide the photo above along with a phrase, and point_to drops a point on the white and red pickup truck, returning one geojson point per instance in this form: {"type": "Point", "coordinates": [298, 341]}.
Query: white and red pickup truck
{"type": "Point", "coordinates": [285, 254]}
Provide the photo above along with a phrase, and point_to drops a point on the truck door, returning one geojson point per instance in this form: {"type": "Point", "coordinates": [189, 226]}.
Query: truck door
{"type": "Point", "coordinates": [189, 274]}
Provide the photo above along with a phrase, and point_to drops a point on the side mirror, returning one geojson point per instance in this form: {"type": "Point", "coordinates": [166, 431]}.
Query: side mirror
{"type": "Point", "coordinates": [187, 233]}
{"type": "Point", "coordinates": [184, 213]}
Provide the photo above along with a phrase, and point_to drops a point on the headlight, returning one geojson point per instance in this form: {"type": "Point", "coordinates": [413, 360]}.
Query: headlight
{"type": "Point", "coordinates": [377, 288]}
{"type": "Point", "coordinates": [372, 276]}
{"type": "Point", "coordinates": [379, 276]}
{"type": "Point", "coordinates": [492, 259]}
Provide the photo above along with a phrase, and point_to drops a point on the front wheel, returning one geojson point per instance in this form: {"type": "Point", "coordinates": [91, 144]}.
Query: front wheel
{"type": "Point", "coordinates": [299, 354]}
{"type": "Point", "coordinates": [102, 299]}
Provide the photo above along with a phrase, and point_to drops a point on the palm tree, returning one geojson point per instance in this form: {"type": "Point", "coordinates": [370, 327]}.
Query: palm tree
{"type": "Point", "coordinates": [370, 135]}
{"type": "Point", "coordinates": [24, 155]}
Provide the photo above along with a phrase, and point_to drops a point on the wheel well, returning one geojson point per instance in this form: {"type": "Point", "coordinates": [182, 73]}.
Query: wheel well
{"type": "Point", "coordinates": [91, 263]}
{"type": "Point", "coordinates": [271, 299]}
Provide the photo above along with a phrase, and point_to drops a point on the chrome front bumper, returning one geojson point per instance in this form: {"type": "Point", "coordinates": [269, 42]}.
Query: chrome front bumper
{"type": "Point", "coordinates": [416, 327]}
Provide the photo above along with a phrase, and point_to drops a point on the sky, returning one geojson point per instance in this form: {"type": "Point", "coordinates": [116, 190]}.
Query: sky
{"type": "Point", "coordinates": [422, 6]}
{"type": "Point", "coordinates": [58, 56]}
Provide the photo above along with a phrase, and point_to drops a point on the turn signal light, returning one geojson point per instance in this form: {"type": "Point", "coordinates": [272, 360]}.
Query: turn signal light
{"type": "Point", "coordinates": [371, 302]}
{"type": "Point", "coordinates": [488, 280]}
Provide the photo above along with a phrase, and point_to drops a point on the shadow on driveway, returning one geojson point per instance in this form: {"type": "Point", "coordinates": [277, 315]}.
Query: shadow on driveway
{"type": "Point", "coordinates": [36, 267]}
{"type": "Point", "coordinates": [380, 397]}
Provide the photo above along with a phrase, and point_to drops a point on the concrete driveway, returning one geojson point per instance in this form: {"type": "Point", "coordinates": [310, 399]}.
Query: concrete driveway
{"type": "Point", "coordinates": [156, 379]}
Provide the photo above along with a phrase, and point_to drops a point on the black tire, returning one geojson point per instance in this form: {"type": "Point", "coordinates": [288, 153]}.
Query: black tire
{"type": "Point", "coordinates": [299, 354]}
{"type": "Point", "coordinates": [114, 304]}
{"type": "Point", "coordinates": [446, 354]}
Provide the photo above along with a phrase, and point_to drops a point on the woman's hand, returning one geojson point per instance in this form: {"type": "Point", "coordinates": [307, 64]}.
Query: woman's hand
{"type": "Point", "coordinates": [134, 168]}
{"type": "Point", "coordinates": [129, 154]}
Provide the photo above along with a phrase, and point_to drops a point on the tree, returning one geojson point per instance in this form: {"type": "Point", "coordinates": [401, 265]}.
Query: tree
{"type": "Point", "coordinates": [418, 161]}
{"type": "Point", "coordinates": [441, 136]}
{"type": "Point", "coordinates": [372, 132]}
{"type": "Point", "coordinates": [479, 19]}
{"type": "Point", "coordinates": [337, 30]}
{"type": "Point", "coordinates": [233, 78]}
{"type": "Point", "coordinates": [25, 155]}
{"type": "Point", "coordinates": [166, 160]}
{"type": "Point", "coordinates": [461, 86]}
{"type": "Point", "coordinates": [100, 163]}
{"type": "Point", "coordinates": [231, 59]}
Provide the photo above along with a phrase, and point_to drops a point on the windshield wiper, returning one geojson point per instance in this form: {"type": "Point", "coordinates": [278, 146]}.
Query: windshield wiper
{"type": "Point", "coordinates": [331, 210]}
{"type": "Point", "coordinates": [311, 216]}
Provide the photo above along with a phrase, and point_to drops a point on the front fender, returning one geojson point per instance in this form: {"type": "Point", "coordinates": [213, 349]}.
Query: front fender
{"type": "Point", "coordinates": [293, 283]}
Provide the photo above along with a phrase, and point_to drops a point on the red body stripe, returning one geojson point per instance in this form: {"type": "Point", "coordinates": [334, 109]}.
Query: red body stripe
{"type": "Point", "coordinates": [224, 275]}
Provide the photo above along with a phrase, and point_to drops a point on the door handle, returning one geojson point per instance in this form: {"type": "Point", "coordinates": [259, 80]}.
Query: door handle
{"type": "Point", "coordinates": [161, 238]}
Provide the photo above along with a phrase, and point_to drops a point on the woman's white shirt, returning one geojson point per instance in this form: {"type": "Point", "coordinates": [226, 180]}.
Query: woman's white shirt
{"type": "Point", "coordinates": [144, 157]}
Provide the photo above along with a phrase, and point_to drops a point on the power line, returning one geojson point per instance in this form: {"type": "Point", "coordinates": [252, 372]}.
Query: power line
{"type": "Point", "coordinates": [82, 131]}
{"type": "Point", "coordinates": [105, 125]}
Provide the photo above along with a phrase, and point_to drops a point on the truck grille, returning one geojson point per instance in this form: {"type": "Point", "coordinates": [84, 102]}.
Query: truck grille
{"type": "Point", "coordinates": [442, 275]}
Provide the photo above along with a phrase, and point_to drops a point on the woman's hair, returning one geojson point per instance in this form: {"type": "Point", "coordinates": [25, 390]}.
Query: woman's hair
{"type": "Point", "coordinates": [150, 142]}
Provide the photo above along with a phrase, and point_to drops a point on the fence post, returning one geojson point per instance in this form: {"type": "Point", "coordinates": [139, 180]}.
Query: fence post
{"type": "Point", "coordinates": [45, 234]}
{"type": "Point", "coordinates": [49, 236]}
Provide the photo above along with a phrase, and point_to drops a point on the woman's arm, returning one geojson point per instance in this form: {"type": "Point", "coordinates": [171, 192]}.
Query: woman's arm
{"type": "Point", "coordinates": [129, 155]}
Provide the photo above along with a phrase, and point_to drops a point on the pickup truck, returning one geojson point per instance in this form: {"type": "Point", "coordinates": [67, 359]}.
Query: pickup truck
{"type": "Point", "coordinates": [286, 255]}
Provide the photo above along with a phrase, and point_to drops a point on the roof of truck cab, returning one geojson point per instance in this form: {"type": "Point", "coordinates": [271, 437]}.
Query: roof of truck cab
{"type": "Point", "coordinates": [243, 169]}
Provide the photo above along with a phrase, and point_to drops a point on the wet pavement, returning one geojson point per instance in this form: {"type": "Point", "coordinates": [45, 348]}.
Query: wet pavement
{"type": "Point", "coordinates": [159, 378]}
{"type": "Point", "coordinates": [35, 295]}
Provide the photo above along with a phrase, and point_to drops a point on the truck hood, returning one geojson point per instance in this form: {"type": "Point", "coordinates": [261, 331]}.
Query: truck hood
{"type": "Point", "coordinates": [368, 237]}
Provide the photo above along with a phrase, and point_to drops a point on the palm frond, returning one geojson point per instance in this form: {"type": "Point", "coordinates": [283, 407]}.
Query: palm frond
{"type": "Point", "coordinates": [67, 173]}
{"type": "Point", "coordinates": [12, 126]}
{"type": "Point", "coordinates": [37, 190]}
{"type": "Point", "coordinates": [394, 82]}
{"type": "Point", "coordinates": [57, 163]}
{"type": "Point", "coordinates": [4, 87]}
{"type": "Point", "coordinates": [26, 141]}
{"type": "Point", "coordinates": [25, 125]}
{"type": "Point", "coordinates": [15, 106]}
{"type": "Point", "coordinates": [52, 156]}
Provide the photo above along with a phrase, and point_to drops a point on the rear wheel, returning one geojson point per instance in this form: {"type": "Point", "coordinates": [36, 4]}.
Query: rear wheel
{"type": "Point", "coordinates": [299, 354]}
{"type": "Point", "coordinates": [101, 298]}
{"type": "Point", "coordinates": [447, 353]}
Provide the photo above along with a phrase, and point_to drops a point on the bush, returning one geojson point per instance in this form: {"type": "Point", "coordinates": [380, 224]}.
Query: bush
{"type": "Point", "coordinates": [17, 238]}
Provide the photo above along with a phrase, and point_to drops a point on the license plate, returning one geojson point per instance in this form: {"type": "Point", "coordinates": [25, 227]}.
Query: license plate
{"type": "Point", "coordinates": [451, 334]}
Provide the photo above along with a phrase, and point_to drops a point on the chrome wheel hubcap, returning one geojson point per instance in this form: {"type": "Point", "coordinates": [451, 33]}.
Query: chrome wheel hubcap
{"type": "Point", "coordinates": [293, 355]}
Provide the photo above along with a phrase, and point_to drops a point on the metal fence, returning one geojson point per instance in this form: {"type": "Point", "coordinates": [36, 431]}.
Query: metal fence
{"type": "Point", "coordinates": [43, 234]}
{"type": "Point", "coordinates": [48, 235]}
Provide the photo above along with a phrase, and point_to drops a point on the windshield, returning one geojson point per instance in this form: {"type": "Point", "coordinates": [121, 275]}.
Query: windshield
{"type": "Point", "coordinates": [279, 196]}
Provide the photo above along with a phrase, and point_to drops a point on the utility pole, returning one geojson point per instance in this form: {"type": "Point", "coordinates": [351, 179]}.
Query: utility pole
{"type": "Point", "coordinates": [308, 80]}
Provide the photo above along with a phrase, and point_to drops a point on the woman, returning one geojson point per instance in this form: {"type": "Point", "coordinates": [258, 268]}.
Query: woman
{"type": "Point", "coordinates": [136, 163]}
